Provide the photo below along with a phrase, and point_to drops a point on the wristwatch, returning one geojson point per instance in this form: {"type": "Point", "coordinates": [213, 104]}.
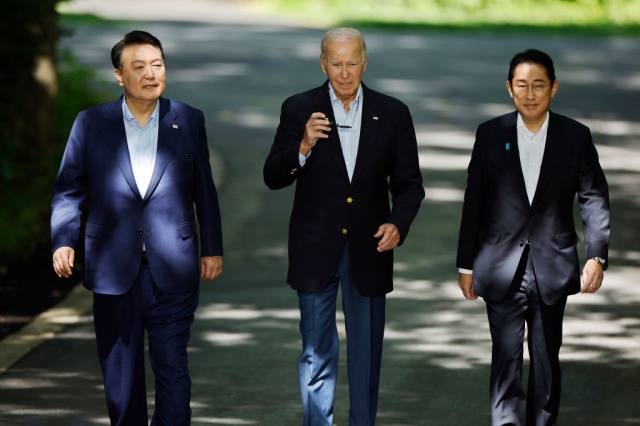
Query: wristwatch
{"type": "Point", "coordinates": [602, 262]}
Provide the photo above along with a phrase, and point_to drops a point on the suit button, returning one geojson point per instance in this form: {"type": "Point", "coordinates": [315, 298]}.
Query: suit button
{"type": "Point", "coordinates": [140, 231]}
{"type": "Point", "coordinates": [293, 171]}
{"type": "Point", "coordinates": [349, 200]}
{"type": "Point", "coordinates": [344, 231]}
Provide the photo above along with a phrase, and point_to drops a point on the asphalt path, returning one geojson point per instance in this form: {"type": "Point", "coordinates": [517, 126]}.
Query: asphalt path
{"type": "Point", "coordinates": [245, 342]}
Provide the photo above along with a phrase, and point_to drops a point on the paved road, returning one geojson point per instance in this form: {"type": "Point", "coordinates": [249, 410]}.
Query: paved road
{"type": "Point", "coordinates": [437, 350]}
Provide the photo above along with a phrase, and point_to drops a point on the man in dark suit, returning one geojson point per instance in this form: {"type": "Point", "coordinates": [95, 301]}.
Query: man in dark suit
{"type": "Point", "coordinates": [141, 162]}
{"type": "Point", "coordinates": [517, 245]}
{"type": "Point", "coordinates": [341, 142]}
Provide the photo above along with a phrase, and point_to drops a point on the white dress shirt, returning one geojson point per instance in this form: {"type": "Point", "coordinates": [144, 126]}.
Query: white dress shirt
{"type": "Point", "coordinates": [531, 146]}
{"type": "Point", "coordinates": [349, 138]}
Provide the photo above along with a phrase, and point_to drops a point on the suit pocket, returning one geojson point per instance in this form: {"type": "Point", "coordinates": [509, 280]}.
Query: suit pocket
{"type": "Point", "coordinates": [491, 237]}
{"type": "Point", "coordinates": [567, 239]}
{"type": "Point", "coordinates": [187, 229]}
{"type": "Point", "coordinates": [93, 230]}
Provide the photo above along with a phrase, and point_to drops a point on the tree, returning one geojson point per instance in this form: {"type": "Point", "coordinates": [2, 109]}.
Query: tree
{"type": "Point", "coordinates": [29, 151]}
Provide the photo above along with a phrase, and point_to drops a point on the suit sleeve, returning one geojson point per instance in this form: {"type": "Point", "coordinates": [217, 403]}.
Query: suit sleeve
{"type": "Point", "coordinates": [69, 189]}
{"type": "Point", "coordinates": [474, 205]}
{"type": "Point", "coordinates": [206, 197]}
{"type": "Point", "coordinates": [593, 198]}
{"type": "Point", "coordinates": [405, 180]}
{"type": "Point", "coordinates": [283, 164]}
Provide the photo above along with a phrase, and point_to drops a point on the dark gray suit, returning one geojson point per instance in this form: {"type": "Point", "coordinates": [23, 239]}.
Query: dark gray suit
{"type": "Point", "coordinates": [524, 255]}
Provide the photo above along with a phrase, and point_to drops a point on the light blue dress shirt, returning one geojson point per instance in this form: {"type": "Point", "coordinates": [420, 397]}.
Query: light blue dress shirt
{"type": "Point", "coordinates": [143, 146]}
{"type": "Point", "coordinates": [349, 138]}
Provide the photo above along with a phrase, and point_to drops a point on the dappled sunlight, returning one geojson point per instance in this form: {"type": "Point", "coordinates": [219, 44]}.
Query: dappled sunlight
{"type": "Point", "coordinates": [228, 339]}
{"type": "Point", "coordinates": [445, 195]}
{"type": "Point", "coordinates": [221, 421]}
{"type": "Point", "coordinates": [436, 160]}
{"type": "Point", "coordinates": [600, 328]}
{"type": "Point", "coordinates": [444, 137]}
{"type": "Point", "coordinates": [243, 312]}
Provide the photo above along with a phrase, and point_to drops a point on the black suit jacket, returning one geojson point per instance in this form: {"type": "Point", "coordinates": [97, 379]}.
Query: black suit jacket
{"type": "Point", "coordinates": [497, 219]}
{"type": "Point", "coordinates": [328, 209]}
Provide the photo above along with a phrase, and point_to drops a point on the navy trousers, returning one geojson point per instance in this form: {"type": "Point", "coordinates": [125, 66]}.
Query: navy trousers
{"type": "Point", "coordinates": [507, 317]}
{"type": "Point", "coordinates": [318, 364]}
{"type": "Point", "coordinates": [120, 322]}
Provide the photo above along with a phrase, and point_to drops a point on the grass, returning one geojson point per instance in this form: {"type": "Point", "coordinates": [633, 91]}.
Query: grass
{"type": "Point", "coordinates": [582, 17]}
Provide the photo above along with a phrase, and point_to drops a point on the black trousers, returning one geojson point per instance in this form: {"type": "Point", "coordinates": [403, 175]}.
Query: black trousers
{"type": "Point", "coordinates": [507, 317]}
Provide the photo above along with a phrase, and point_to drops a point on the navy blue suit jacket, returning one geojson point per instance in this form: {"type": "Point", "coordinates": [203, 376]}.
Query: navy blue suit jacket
{"type": "Point", "coordinates": [328, 209]}
{"type": "Point", "coordinates": [96, 166]}
{"type": "Point", "coordinates": [498, 220]}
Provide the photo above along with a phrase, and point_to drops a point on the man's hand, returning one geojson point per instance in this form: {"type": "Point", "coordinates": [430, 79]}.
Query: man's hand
{"type": "Point", "coordinates": [63, 261]}
{"type": "Point", "coordinates": [314, 130]}
{"type": "Point", "coordinates": [390, 237]}
{"type": "Point", "coordinates": [210, 267]}
{"type": "Point", "coordinates": [466, 285]}
{"type": "Point", "coordinates": [592, 276]}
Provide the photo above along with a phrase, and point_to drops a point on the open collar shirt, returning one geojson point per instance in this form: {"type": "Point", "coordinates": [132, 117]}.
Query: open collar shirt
{"type": "Point", "coordinates": [143, 146]}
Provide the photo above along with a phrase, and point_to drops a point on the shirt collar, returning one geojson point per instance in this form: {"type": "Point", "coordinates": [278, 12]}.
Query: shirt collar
{"type": "Point", "coordinates": [544, 126]}
{"type": "Point", "coordinates": [334, 98]}
{"type": "Point", "coordinates": [128, 116]}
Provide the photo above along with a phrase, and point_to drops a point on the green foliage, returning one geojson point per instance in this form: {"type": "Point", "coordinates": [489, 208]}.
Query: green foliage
{"type": "Point", "coordinates": [26, 206]}
{"type": "Point", "coordinates": [605, 16]}
{"type": "Point", "coordinates": [35, 123]}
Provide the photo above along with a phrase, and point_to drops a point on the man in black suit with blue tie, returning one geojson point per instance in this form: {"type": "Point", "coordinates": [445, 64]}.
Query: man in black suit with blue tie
{"type": "Point", "coordinates": [347, 147]}
{"type": "Point", "coordinates": [518, 244]}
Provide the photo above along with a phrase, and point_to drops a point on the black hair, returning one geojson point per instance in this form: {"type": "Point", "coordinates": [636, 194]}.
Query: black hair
{"type": "Point", "coordinates": [133, 38]}
{"type": "Point", "coordinates": [532, 56]}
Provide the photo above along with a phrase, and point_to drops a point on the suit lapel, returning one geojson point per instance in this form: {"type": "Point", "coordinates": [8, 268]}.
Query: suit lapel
{"type": "Point", "coordinates": [168, 132]}
{"type": "Point", "coordinates": [552, 150]}
{"type": "Point", "coordinates": [114, 135]}
{"type": "Point", "coordinates": [368, 131]}
{"type": "Point", "coordinates": [509, 143]}
{"type": "Point", "coordinates": [323, 104]}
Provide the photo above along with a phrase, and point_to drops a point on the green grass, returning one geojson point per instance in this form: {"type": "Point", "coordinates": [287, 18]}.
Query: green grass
{"type": "Point", "coordinates": [66, 20]}
{"type": "Point", "coordinates": [583, 17]}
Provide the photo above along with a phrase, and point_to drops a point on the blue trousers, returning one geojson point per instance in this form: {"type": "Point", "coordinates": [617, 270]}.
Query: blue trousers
{"type": "Point", "coordinates": [120, 322]}
{"type": "Point", "coordinates": [318, 364]}
{"type": "Point", "coordinates": [509, 403]}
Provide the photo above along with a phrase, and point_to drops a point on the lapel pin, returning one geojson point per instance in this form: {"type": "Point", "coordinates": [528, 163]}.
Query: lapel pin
{"type": "Point", "coordinates": [175, 126]}
{"type": "Point", "coordinates": [508, 146]}
{"type": "Point", "coordinates": [375, 118]}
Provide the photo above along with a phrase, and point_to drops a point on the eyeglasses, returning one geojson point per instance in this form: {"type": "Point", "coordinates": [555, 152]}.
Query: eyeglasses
{"type": "Point", "coordinates": [521, 88]}
{"type": "Point", "coordinates": [355, 115]}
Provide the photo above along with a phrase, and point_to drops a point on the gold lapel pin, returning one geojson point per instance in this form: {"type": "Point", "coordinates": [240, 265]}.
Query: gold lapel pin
{"type": "Point", "coordinates": [175, 126]}
{"type": "Point", "coordinates": [375, 117]}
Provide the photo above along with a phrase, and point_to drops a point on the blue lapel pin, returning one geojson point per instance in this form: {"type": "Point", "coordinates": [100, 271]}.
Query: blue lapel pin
{"type": "Point", "coordinates": [508, 146]}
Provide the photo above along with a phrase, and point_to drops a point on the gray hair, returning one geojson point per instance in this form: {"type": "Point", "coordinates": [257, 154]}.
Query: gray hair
{"type": "Point", "coordinates": [342, 35]}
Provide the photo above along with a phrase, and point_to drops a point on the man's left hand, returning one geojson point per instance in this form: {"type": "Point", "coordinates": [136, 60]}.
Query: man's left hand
{"type": "Point", "coordinates": [390, 237]}
{"type": "Point", "coordinates": [210, 267]}
{"type": "Point", "coordinates": [592, 276]}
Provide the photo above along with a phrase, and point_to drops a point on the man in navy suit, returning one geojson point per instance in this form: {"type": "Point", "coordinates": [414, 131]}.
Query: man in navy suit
{"type": "Point", "coordinates": [518, 243]}
{"type": "Point", "coordinates": [142, 163]}
{"type": "Point", "coordinates": [347, 147]}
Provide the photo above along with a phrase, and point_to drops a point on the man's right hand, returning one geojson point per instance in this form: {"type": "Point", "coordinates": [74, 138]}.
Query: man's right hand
{"type": "Point", "coordinates": [63, 261]}
{"type": "Point", "coordinates": [314, 130]}
{"type": "Point", "coordinates": [466, 285]}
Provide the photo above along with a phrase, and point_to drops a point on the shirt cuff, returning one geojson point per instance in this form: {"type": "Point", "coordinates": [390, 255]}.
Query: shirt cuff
{"type": "Point", "coordinates": [302, 159]}
{"type": "Point", "coordinates": [465, 271]}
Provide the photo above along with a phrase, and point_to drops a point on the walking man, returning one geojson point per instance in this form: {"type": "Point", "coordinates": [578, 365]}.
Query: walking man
{"type": "Point", "coordinates": [347, 148]}
{"type": "Point", "coordinates": [517, 245]}
{"type": "Point", "coordinates": [141, 162]}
